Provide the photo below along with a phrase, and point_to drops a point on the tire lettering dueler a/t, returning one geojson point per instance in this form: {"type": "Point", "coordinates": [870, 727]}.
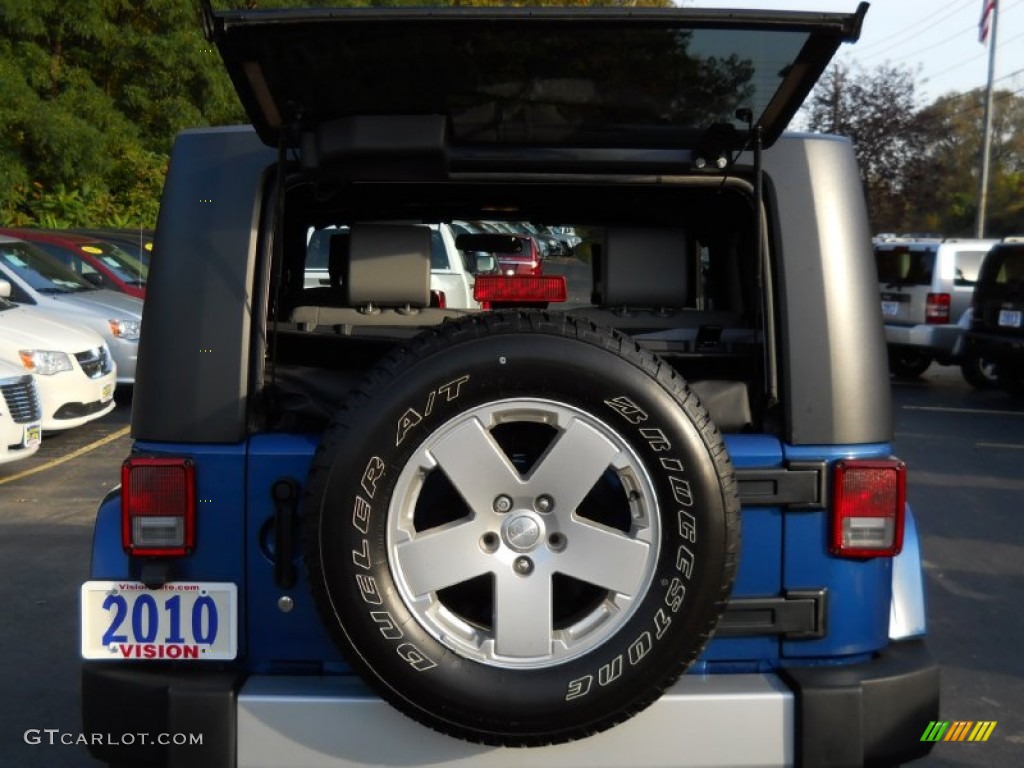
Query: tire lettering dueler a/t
{"type": "Point", "coordinates": [521, 528]}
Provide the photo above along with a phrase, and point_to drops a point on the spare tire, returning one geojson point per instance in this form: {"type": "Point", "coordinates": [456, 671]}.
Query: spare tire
{"type": "Point", "coordinates": [522, 528]}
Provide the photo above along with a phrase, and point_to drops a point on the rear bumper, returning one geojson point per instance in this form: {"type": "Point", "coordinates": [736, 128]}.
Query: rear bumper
{"type": "Point", "coordinates": [939, 340]}
{"type": "Point", "coordinates": [1001, 349]}
{"type": "Point", "coordinates": [871, 713]}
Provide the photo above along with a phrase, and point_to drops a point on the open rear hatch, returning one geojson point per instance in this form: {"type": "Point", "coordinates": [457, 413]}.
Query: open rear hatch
{"type": "Point", "coordinates": [460, 79]}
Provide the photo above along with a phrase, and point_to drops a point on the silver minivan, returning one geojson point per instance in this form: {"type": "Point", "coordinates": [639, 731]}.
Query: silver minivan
{"type": "Point", "coordinates": [926, 285]}
{"type": "Point", "coordinates": [31, 277]}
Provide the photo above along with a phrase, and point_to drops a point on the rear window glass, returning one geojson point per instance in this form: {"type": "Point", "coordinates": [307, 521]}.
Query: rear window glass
{"type": "Point", "coordinates": [126, 267]}
{"type": "Point", "coordinates": [40, 270]}
{"type": "Point", "coordinates": [438, 253]}
{"type": "Point", "coordinates": [1005, 266]}
{"type": "Point", "coordinates": [905, 266]}
{"type": "Point", "coordinates": [968, 264]}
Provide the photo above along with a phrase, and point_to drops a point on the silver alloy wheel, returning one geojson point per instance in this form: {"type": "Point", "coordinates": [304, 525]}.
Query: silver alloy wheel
{"type": "Point", "coordinates": [524, 531]}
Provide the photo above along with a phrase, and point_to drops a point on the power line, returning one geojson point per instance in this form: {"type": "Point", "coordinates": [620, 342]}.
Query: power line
{"type": "Point", "coordinates": [902, 33]}
{"type": "Point", "coordinates": [926, 49]}
{"type": "Point", "coordinates": [933, 77]}
{"type": "Point", "coordinates": [959, 64]}
{"type": "Point", "coordinates": [1000, 96]}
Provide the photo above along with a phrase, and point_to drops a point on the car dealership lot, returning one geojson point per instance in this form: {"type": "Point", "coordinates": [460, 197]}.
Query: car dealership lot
{"type": "Point", "coordinates": [965, 450]}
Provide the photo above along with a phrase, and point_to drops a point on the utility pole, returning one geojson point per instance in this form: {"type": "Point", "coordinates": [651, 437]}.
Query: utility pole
{"type": "Point", "coordinates": [986, 143]}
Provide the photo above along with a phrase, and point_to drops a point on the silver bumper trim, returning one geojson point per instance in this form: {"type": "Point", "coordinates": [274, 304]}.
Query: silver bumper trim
{"type": "Point", "coordinates": [709, 720]}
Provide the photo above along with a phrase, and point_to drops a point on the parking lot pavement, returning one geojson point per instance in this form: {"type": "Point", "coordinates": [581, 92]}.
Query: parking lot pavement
{"type": "Point", "coordinates": [47, 507]}
{"type": "Point", "coordinates": [86, 462]}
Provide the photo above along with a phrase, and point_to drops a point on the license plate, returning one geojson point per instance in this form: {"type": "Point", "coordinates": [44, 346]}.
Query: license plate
{"type": "Point", "coordinates": [890, 308]}
{"type": "Point", "coordinates": [107, 392]}
{"type": "Point", "coordinates": [33, 435]}
{"type": "Point", "coordinates": [124, 620]}
{"type": "Point", "coordinates": [1010, 318]}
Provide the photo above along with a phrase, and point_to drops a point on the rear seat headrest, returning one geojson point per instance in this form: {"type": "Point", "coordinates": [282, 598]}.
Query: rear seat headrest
{"type": "Point", "coordinates": [644, 267]}
{"type": "Point", "coordinates": [337, 258]}
{"type": "Point", "coordinates": [388, 265]}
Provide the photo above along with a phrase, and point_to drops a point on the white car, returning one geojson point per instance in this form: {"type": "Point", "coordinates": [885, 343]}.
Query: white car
{"type": "Point", "coordinates": [33, 278]}
{"type": "Point", "coordinates": [73, 368]}
{"type": "Point", "coordinates": [20, 430]}
{"type": "Point", "coordinates": [451, 273]}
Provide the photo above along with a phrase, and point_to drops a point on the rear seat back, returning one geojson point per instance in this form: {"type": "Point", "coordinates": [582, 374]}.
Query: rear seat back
{"type": "Point", "coordinates": [642, 285]}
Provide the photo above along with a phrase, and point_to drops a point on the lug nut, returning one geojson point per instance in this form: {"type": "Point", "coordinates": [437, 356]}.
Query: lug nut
{"type": "Point", "coordinates": [523, 566]}
{"type": "Point", "coordinates": [544, 503]}
{"type": "Point", "coordinates": [502, 504]}
{"type": "Point", "coordinates": [489, 542]}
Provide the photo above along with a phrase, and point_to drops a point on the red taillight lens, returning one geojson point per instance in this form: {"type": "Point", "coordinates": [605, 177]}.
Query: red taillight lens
{"type": "Point", "coordinates": [158, 506]}
{"type": "Point", "coordinates": [868, 500]}
{"type": "Point", "coordinates": [936, 309]}
{"type": "Point", "coordinates": [519, 289]}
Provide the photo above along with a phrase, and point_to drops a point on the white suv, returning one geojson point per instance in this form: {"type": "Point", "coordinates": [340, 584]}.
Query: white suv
{"type": "Point", "coordinates": [926, 286]}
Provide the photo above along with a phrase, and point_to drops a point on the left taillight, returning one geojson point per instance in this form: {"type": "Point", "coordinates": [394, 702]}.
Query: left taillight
{"type": "Point", "coordinates": [868, 501]}
{"type": "Point", "coordinates": [936, 309]}
{"type": "Point", "coordinates": [158, 506]}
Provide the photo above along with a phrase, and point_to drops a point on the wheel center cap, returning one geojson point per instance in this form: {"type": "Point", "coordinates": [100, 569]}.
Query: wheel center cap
{"type": "Point", "coordinates": [522, 531]}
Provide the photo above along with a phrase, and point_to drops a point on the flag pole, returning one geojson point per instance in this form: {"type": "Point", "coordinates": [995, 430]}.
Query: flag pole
{"type": "Point", "coordinates": [986, 144]}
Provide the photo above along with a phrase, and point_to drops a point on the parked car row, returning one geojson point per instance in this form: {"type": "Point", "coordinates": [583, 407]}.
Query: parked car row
{"type": "Point", "coordinates": [66, 339]}
{"type": "Point", "coordinates": [927, 285]}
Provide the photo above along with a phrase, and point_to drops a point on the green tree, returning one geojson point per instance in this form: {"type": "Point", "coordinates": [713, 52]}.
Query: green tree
{"type": "Point", "coordinates": [920, 166]}
{"type": "Point", "coordinates": [949, 170]}
{"type": "Point", "coordinates": [90, 101]}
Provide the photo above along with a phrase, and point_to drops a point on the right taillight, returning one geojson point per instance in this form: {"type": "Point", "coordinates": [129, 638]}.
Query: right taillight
{"type": "Point", "coordinates": [868, 500]}
{"type": "Point", "coordinates": [158, 506]}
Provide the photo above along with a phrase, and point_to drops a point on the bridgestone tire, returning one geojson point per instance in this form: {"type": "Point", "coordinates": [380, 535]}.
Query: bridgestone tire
{"type": "Point", "coordinates": [521, 529]}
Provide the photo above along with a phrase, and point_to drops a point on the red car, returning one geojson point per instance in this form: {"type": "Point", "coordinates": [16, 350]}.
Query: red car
{"type": "Point", "coordinates": [98, 261]}
{"type": "Point", "coordinates": [526, 262]}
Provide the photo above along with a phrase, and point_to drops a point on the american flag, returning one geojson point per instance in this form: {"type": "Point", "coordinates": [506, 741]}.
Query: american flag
{"type": "Point", "coordinates": [987, 8]}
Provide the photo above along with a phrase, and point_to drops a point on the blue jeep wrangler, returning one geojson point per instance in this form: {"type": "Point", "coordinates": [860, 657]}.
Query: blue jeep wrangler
{"type": "Point", "coordinates": [638, 510]}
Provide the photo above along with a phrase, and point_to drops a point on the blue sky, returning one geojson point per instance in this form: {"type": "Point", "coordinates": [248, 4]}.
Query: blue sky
{"type": "Point", "coordinates": [936, 39]}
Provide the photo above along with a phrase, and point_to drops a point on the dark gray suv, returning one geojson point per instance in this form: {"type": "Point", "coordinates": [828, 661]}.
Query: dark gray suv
{"type": "Point", "coordinates": [997, 321]}
{"type": "Point", "coordinates": [656, 523]}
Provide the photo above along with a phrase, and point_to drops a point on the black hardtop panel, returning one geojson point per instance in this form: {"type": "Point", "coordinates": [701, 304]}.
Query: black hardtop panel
{"type": "Point", "coordinates": [565, 77]}
{"type": "Point", "coordinates": [1000, 285]}
{"type": "Point", "coordinates": [834, 371]}
{"type": "Point", "coordinates": [1004, 265]}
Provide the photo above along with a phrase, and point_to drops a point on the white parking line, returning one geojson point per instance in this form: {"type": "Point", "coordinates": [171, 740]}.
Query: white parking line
{"type": "Point", "coordinates": [67, 457]}
{"type": "Point", "coordinates": [961, 410]}
{"type": "Point", "coordinates": [1013, 446]}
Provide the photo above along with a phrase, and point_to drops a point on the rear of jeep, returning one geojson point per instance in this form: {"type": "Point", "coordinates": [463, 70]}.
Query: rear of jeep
{"type": "Point", "coordinates": [657, 523]}
{"type": "Point", "coordinates": [997, 323]}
